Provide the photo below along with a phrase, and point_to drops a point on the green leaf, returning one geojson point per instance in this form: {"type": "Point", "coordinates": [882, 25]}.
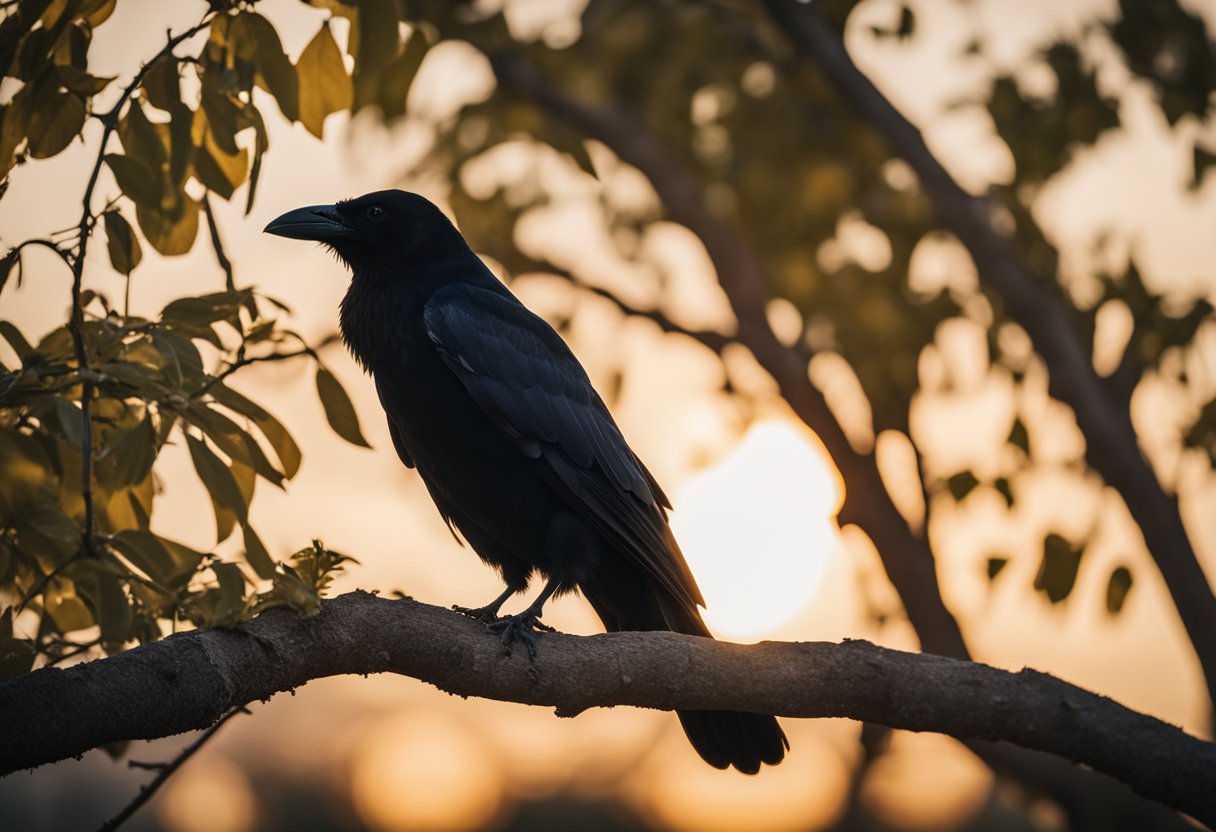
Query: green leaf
{"type": "Point", "coordinates": [323, 83]}
{"type": "Point", "coordinates": [161, 83]}
{"type": "Point", "coordinates": [129, 459]}
{"type": "Point", "coordinates": [81, 82]}
{"type": "Point", "coordinates": [71, 422]}
{"type": "Point", "coordinates": [961, 484]}
{"type": "Point", "coordinates": [183, 366]}
{"type": "Point", "coordinates": [378, 36]}
{"type": "Point", "coordinates": [225, 493]}
{"type": "Point", "coordinates": [231, 590]}
{"type": "Point", "coordinates": [54, 125]}
{"type": "Point", "coordinates": [338, 408]}
{"type": "Point", "coordinates": [284, 446]}
{"type": "Point", "coordinates": [147, 553]}
{"type": "Point", "coordinates": [1058, 570]}
{"type": "Point", "coordinates": [275, 71]}
{"type": "Point", "coordinates": [995, 565]}
{"type": "Point", "coordinates": [11, 260]}
{"type": "Point", "coordinates": [121, 242]}
{"type": "Point", "coordinates": [395, 80]}
{"type": "Point", "coordinates": [15, 339]}
{"type": "Point", "coordinates": [113, 610]}
{"type": "Point", "coordinates": [1117, 589]}
{"type": "Point", "coordinates": [261, 145]}
{"type": "Point", "coordinates": [256, 554]}
{"type": "Point", "coordinates": [140, 139]}
{"type": "Point", "coordinates": [170, 232]}
{"type": "Point", "coordinates": [135, 178]}
{"type": "Point", "coordinates": [233, 441]}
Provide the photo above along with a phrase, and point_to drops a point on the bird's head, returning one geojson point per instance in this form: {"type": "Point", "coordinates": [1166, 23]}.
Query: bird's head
{"type": "Point", "coordinates": [384, 227]}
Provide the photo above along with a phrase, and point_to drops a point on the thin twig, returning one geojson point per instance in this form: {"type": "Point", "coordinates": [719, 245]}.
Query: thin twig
{"type": "Point", "coordinates": [245, 362]}
{"type": "Point", "coordinates": [76, 322]}
{"type": "Point", "coordinates": [711, 339]}
{"type": "Point", "coordinates": [166, 771]}
{"type": "Point", "coordinates": [217, 245]}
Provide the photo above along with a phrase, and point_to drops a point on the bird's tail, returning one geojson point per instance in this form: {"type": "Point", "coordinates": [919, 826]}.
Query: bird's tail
{"type": "Point", "coordinates": [722, 738]}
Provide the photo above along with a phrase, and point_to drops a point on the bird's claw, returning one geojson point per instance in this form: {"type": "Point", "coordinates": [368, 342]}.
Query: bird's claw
{"type": "Point", "coordinates": [486, 615]}
{"type": "Point", "coordinates": [522, 627]}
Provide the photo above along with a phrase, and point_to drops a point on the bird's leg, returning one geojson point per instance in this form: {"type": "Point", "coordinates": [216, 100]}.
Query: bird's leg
{"type": "Point", "coordinates": [489, 613]}
{"type": "Point", "coordinates": [525, 625]}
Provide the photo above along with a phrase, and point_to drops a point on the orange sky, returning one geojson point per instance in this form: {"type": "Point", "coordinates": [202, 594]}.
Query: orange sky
{"type": "Point", "coordinates": [765, 496]}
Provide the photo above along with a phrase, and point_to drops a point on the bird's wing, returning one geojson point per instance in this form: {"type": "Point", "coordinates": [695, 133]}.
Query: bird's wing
{"type": "Point", "coordinates": [522, 374]}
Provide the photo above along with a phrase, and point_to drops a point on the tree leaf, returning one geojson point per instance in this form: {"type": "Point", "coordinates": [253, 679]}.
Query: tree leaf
{"type": "Point", "coordinates": [379, 37]}
{"type": "Point", "coordinates": [161, 83]}
{"type": "Point", "coordinates": [129, 459]}
{"type": "Point", "coordinates": [284, 446]}
{"type": "Point", "coordinates": [261, 145]}
{"type": "Point", "coordinates": [147, 553]}
{"type": "Point", "coordinates": [323, 83]}
{"type": "Point", "coordinates": [961, 484]}
{"type": "Point", "coordinates": [225, 493]}
{"type": "Point", "coordinates": [395, 80]}
{"type": "Point", "coordinates": [1019, 437]}
{"type": "Point", "coordinates": [54, 124]}
{"type": "Point", "coordinates": [71, 422]}
{"type": "Point", "coordinates": [995, 565]}
{"type": "Point", "coordinates": [1117, 589]}
{"type": "Point", "coordinates": [15, 339]}
{"type": "Point", "coordinates": [1005, 489]}
{"type": "Point", "coordinates": [136, 179]}
{"type": "Point", "coordinates": [338, 408]}
{"type": "Point", "coordinates": [121, 242]}
{"type": "Point", "coordinates": [11, 260]}
{"type": "Point", "coordinates": [81, 82]}
{"type": "Point", "coordinates": [113, 611]}
{"type": "Point", "coordinates": [170, 232]}
{"type": "Point", "coordinates": [1058, 570]}
{"type": "Point", "coordinates": [256, 554]}
{"type": "Point", "coordinates": [274, 68]}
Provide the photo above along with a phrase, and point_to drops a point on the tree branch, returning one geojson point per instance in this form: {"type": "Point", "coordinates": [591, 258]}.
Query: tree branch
{"type": "Point", "coordinates": [164, 771]}
{"type": "Point", "coordinates": [76, 320]}
{"type": "Point", "coordinates": [190, 680]}
{"type": "Point", "coordinates": [1030, 299]}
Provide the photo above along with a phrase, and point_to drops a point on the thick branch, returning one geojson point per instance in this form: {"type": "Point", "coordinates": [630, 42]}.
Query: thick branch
{"type": "Point", "coordinates": [190, 680]}
{"type": "Point", "coordinates": [1102, 413]}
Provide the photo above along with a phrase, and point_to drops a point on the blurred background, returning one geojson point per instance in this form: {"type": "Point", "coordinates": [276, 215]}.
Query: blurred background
{"type": "Point", "coordinates": [684, 162]}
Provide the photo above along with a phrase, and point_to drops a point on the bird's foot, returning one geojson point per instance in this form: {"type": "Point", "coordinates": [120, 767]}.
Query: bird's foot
{"type": "Point", "coordinates": [522, 627]}
{"type": "Point", "coordinates": [486, 615]}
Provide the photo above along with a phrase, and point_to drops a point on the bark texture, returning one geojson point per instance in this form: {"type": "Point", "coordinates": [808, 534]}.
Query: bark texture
{"type": "Point", "coordinates": [189, 680]}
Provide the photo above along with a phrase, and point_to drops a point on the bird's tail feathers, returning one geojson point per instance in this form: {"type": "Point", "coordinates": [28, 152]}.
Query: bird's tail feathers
{"type": "Point", "coordinates": [722, 738]}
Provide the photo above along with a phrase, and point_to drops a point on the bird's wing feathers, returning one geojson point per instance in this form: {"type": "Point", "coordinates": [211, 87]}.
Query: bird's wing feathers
{"type": "Point", "coordinates": [521, 373]}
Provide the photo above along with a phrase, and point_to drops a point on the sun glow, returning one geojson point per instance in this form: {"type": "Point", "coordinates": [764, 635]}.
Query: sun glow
{"type": "Point", "coordinates": [757, 529]}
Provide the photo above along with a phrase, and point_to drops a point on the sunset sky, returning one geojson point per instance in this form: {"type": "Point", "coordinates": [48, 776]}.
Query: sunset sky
{"type": "Point", "coordinates": [761, 494]}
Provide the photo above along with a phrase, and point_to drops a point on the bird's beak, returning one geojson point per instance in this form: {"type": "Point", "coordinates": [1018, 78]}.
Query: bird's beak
{"type": "Point", "coordinates": [312, 222]}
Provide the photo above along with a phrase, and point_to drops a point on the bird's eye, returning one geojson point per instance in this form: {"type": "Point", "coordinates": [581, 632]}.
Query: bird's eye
{"type": "Point", "coordinates": [375, 213]}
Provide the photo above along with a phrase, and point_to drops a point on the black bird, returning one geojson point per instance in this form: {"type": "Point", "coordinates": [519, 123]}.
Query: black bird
{"type": "Point", "coordinates": [516, 448]}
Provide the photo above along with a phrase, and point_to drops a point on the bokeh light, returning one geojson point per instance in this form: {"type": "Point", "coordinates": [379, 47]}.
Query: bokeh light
{"type": "Point", "coordinates": [425, 773]}
{"type": "Point", "coordinates": [210, 794]}
{"type": "Point", "coordinates": [925, 782]}
{"type": "Point", "coordinates": [677, 791]}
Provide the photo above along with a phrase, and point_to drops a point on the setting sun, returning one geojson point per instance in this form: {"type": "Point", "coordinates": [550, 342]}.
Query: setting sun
{"type": "Point", "coordinates": [757, 529]}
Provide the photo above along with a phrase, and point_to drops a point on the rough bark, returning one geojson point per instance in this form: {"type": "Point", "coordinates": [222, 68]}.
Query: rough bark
{"type": "Point", "coordinates": [189, 680]}
{"type": "Point", "coordinates": [1030, 300]}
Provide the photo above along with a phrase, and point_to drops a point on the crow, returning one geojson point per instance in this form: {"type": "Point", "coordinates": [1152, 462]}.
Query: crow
{"type": "Point", "coordinates": [517, 450]}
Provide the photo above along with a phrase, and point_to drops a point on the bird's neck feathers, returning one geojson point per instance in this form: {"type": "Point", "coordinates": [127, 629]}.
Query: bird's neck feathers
{"type": "Point", "coordinates": [382, 310]}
